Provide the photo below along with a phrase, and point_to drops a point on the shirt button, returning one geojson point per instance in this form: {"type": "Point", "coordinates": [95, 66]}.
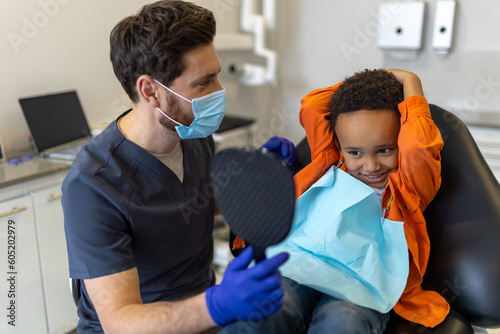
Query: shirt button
{"type": "Point", "coordinates": [407, 207]}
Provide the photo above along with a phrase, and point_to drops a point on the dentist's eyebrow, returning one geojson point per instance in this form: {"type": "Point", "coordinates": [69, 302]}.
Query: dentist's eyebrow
{"type": "Point", "coordinates": [205, 77]}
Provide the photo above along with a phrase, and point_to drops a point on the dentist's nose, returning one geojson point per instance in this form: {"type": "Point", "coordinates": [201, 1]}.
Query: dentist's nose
{"type": "Point", "coordinates": [218, 84]}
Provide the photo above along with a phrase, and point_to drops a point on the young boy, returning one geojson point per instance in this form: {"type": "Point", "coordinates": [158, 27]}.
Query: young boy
{"type": "Point", "coordinates": [377, 127]}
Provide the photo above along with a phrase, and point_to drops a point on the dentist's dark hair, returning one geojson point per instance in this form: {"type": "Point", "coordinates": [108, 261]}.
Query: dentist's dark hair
{"type": "Point", "coordinates": [154, 41]}
{"type": "Point", "coordinates": [370, 90]}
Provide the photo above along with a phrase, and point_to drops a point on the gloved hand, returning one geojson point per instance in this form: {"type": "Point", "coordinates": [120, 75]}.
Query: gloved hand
{"type": "Point", "coordinates": [283, 148]}
{"type": "Point", "coordinates": [247, 293]}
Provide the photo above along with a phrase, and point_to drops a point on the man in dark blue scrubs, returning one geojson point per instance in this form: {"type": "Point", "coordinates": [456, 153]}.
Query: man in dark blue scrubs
{"type": "Point", "coordinates": [137, 201]}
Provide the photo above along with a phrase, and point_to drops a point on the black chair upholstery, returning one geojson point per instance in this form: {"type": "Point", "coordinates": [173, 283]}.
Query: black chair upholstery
{"type": "Point", "coordinates": [463, 222]}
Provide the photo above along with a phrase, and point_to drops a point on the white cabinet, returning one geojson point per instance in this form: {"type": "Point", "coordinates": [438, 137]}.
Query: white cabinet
{"type": "Point", "coordinates": [49, 221]}
{"type": "Point", "coordinates": [22, 308]}
{"type": "Point", "coordinates": [34, 272]}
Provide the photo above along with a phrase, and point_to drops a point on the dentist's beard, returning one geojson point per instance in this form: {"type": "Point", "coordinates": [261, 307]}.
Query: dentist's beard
{"type": "Point", "coordinates": [175, 111]}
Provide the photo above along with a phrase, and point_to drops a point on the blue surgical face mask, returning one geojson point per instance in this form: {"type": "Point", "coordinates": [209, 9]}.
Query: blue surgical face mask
{"type": "Point", "coordinates": [208, 112]}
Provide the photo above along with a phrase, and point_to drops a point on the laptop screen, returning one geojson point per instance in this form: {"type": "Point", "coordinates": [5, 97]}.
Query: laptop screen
{"type": "Point", "coordinates": [54, 119]}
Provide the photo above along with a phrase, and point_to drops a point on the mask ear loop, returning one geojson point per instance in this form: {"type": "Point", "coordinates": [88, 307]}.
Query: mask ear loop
{"type": "Point", "coordinates": [171, 91]}
{"type": "Point", "coordinates": [182, 97]}
{"type": "Point", "coordinates": [170, 118]}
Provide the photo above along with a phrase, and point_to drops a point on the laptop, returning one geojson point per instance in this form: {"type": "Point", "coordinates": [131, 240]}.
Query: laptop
{"type": "Point", "coordinates": [57, 124]}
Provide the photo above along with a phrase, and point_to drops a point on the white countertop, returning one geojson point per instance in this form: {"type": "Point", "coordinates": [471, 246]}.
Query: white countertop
{"type": "Point", "coordinates": [11, 174]}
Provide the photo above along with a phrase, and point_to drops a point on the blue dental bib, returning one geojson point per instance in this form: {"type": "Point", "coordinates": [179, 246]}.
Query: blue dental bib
{"type": "Point", "coordinates": [340, 245]}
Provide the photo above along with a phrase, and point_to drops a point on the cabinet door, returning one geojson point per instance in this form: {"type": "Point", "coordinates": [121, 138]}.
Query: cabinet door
{"type": "Point", "coordinates": [21, 298]}
{"type": "Point", "coordinates": [61, 310]}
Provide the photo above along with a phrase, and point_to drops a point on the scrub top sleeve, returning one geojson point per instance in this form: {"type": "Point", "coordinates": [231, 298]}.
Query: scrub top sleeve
{"type": "Point", "coordinates": [98, 239]}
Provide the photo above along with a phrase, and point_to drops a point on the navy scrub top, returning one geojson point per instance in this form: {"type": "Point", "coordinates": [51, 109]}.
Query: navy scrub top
{"type": "Point", "coordinates": [123, 208]}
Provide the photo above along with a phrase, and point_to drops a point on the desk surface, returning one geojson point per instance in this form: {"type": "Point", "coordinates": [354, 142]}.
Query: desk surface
{"type": "Point", "coordinates": [29, 170]}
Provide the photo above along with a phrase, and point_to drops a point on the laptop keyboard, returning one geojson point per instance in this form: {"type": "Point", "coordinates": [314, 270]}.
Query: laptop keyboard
{"type": "Point", "coordinates": [66, 153]}
{"type": "Point", "coordinates": [71, 149]}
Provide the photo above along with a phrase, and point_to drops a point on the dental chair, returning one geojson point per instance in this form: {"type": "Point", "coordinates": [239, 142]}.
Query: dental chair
{"type": "Point", "coordinates": [463, 223]}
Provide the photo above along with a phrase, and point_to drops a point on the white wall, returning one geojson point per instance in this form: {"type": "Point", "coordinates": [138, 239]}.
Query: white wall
{"type": "Point", "coordinates": [312, 34]}
{"type": "Point", "coordinates": [54, 45]}
{"type": "Point", "coordinates": [49, 46]}
{"type": "Point", "coordinates": [67, 48]}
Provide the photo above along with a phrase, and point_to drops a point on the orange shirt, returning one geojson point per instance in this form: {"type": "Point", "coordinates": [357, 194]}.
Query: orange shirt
{"type": "Point", "coordinates": [413, 186]}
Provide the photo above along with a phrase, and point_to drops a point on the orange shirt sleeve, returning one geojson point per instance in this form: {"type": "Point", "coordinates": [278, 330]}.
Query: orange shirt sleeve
{"type": "Point", "coordinates": [315, 106]}
{"type": "Point", "coordinates": [419, 173]}
{"type": "Point", "coordinates": [413, 186]}
{"type": "Point", "coordinates": [418, 177]}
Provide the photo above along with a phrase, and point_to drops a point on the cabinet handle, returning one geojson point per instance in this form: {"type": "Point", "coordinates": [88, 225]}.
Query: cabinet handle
{"type": "Point", "coordinates": [54, 197]}
{"type": "Point", "coordinates": [13, 211]}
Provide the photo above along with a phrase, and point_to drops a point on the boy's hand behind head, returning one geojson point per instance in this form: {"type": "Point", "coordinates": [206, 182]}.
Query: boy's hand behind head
{"type": "Point", "coordinates": [411, 82]}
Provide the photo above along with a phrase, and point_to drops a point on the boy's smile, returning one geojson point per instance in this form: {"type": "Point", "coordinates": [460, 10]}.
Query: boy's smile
{"type": "Point", "coordinates": [368, 141]}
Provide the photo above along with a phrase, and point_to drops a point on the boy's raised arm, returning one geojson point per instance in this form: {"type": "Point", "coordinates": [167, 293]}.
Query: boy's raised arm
{"type": "Point", "coordinates": [419, 143]}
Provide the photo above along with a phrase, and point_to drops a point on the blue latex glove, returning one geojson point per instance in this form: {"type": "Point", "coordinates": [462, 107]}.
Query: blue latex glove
{"type": "Point", "coordinates": [283, 148]}
{"type": "Point", "coordinates": [247, 293]}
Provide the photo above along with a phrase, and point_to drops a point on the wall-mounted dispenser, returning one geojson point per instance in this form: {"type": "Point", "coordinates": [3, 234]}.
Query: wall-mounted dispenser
{"type": "Point", "coordinates": [400, 28]}
{"type": "Point", "coordinates": [443, 26]}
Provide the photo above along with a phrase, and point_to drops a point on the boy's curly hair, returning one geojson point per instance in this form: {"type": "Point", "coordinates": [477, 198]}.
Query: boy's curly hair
{"type": "Point", "coordinates": [369, 89]}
